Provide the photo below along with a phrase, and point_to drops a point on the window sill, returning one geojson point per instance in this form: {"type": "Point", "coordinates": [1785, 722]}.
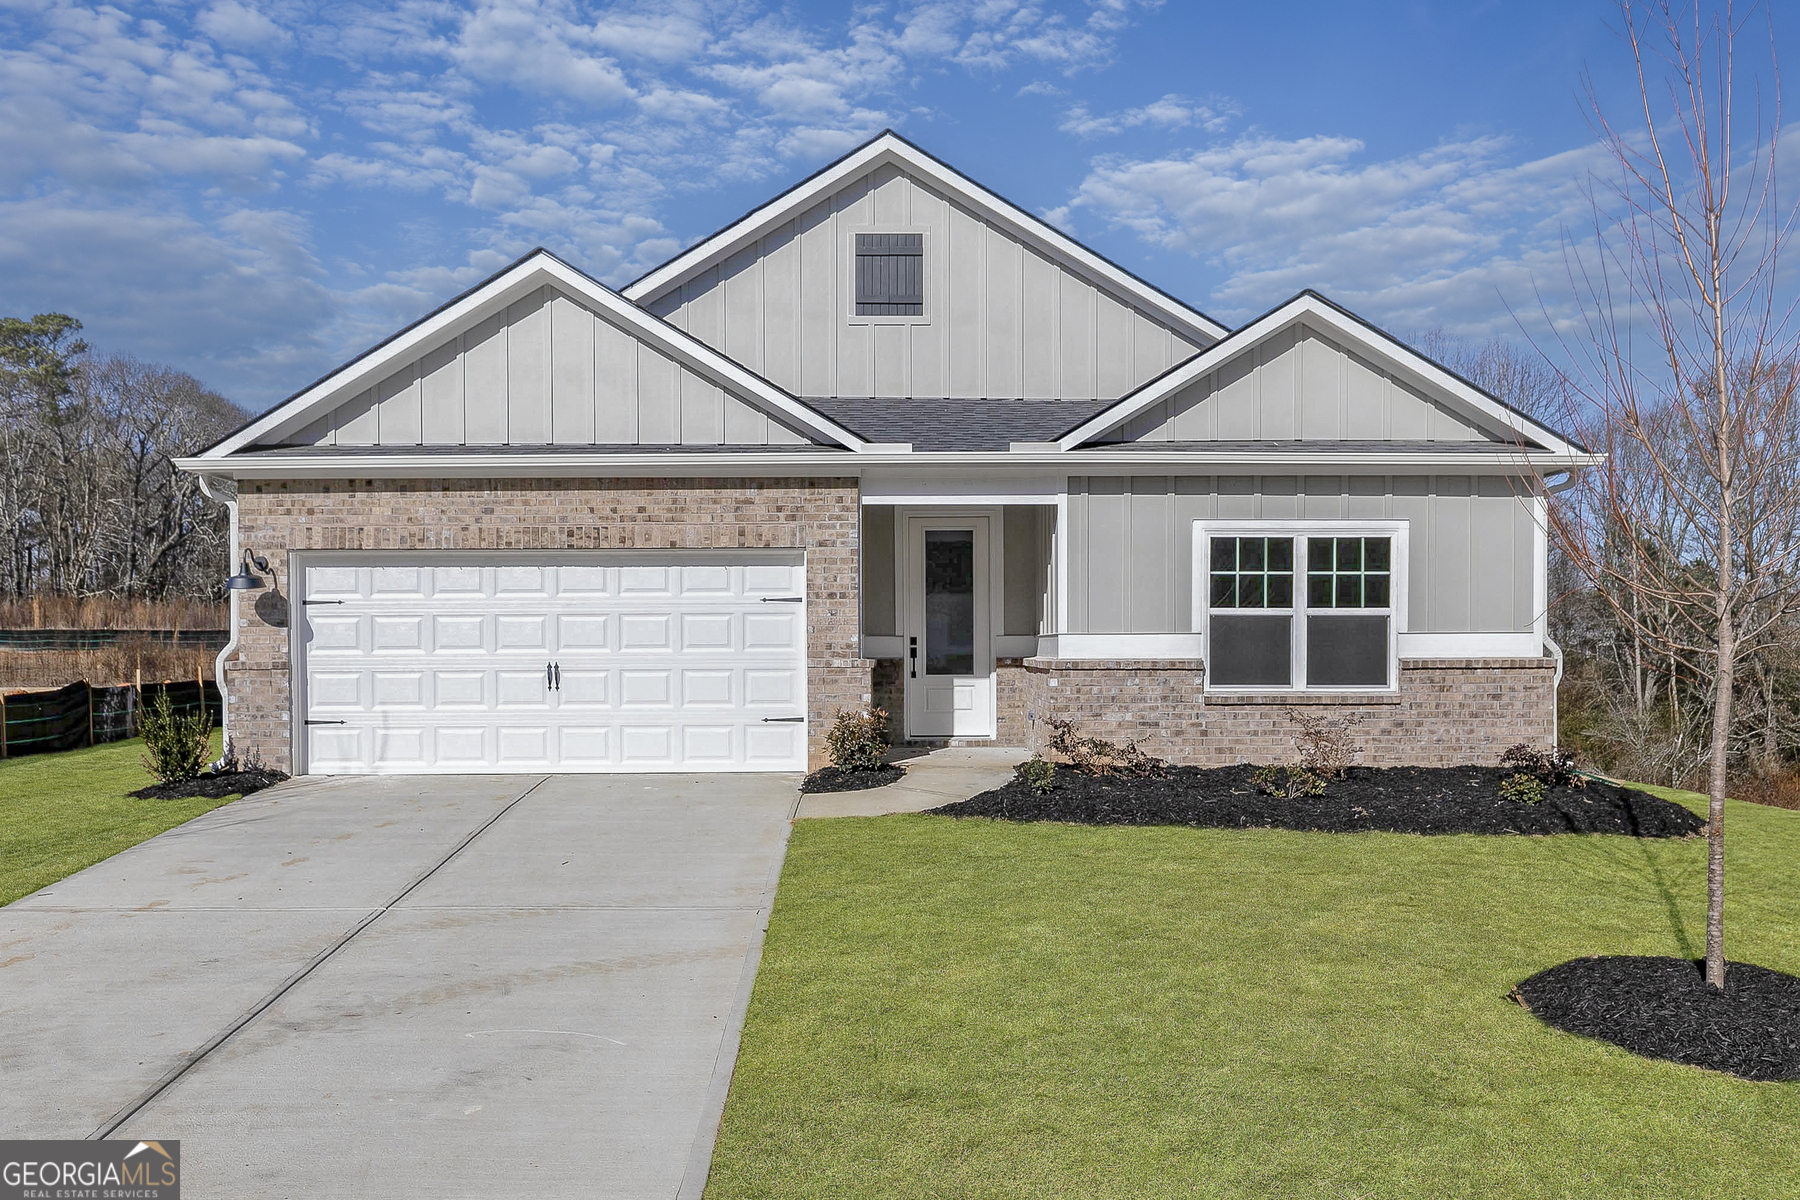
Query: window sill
{"type": "Point", "coordinates": [1302, 698]}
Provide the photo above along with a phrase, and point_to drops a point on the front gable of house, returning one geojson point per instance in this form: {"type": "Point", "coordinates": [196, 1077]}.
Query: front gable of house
{"type": "Point", "coordinates": [1007, 307]}
{"type": "Point", "coordinates": [545, 370]}
{"type": "Point", "coordinates": [539, 356]}
{"type": "Point", "coordinates": [1302, 384]}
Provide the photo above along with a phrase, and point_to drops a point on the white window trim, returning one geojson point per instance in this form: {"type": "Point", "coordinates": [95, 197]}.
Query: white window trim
{"type": "Point", "coordinates": [1398, 530]}
{"type": "Point", "coordinates": [927, 265]}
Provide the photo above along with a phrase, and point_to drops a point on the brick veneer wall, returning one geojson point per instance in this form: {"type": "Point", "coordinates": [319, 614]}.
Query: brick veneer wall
{"type": "Point", "coordinates": [819, 516]}
{"type": "Point", "coordinates": [1447, 712]}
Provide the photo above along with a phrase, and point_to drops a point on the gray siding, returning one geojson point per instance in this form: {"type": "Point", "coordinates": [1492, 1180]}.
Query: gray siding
{"type": "Point", "coordinates": [547, 371]}
{"type": "Point", "coordinates": [1473, 544]}
{"type": "Point", "coordinates": [1297, 384]}
{"type": "Point", "coordinates": [881, 614]}
{"type": "Point", "coordinates": [1000, 319]}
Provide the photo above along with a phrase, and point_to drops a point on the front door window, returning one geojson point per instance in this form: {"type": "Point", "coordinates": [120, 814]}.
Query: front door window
{"type": "Point", "coordinates": [949, 602]}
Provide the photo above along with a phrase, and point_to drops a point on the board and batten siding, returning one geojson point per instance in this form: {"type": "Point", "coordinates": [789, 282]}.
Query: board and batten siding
{"type": "Point", "coordinates": [1297, 384]}
{"type": "Point", "coordinates": [1131, 540]}
{"type": "Point", "coordinates": [546, 371]}
{"type": "Point", "coordinates": [1000, 320]}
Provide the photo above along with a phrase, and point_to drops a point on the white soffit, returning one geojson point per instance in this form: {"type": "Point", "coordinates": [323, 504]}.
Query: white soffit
{"type": "Point", "coordinates": [517, 281]}
{"type": "Point", "coordinates": [1312, 309]}
{"type": "Point", "coordinates": [890, 148]}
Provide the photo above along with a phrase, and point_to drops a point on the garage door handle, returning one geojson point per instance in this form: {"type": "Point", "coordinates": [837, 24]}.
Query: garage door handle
{"type": "Point", "coordinates": [556, 670]}
{"type": "Point", "coordinates": [782, 720]}
{"type": "Point", "coordinates": [310, 722]}
{"type": "Point", "coordinates": [784, 599]}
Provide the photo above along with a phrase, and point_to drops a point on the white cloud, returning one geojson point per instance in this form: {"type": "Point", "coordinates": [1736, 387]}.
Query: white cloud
{"type": "Point", "coordinates": [1424, 239]}
{"type": "Point", "coordinates": [240, 26]}
{"type": "Point", "coordinates": [1173, 111]}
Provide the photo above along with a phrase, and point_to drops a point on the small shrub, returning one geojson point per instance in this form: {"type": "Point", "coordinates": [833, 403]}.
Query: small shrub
{"type": "Point", "coordinates": [176, 743]}
{"type": "Point", "coordinates": [1327, 745]}
{"type": "Point", "coordinates": [1522, 788]}
{"type": "Point", "coordinates": [1288, 782]}
{"type": "Point", "coordinates": [1097, 756]}
{"type": "Point", "coordinates": [1552, 768]}
{"type": "Point", "coordinates": [858, 739]}
{"type": "Point", "coordinates": [1037, 773]}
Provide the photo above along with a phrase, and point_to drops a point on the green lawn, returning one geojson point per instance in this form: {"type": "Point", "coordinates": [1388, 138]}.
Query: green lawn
{"type": "Point", "coordinates": [62, 812]}
{"type": "Point", "coordinates": [971, 1008]}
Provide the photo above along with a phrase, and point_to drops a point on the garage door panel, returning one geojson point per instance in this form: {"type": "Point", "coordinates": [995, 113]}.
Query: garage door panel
{"type": "Point", "coordinates": [462, 631]}
{"type": "Point", "coordinates": [585, 688]}
{"type": "Point", "coordinates": [662, 666]}
{"type": "Point", "coordinates": [397, 632]}
{"type": "Point", "coordinates": [704, 582]}
{"type": "Point", "coordinates": [708, 688]}
{"type": "Point", "coordinates": [522, 689]}
{"type": "Point", "coordinates": [391, 583]}
{"type": "Point", "coordinates": [645, 633]}
{"type": "Point", "coordinates": [583, 631]}
{"type": "Point", "coordinates": [334, 633]}
{"type": "Point", "coordinates": [771, 632]}
{"type": "Point", "coordinates": [774, 745]}
{"type": "Point", "coordinates": [401, 747]}
{"type": "Point", "coordinates": [336, 690]}
{"type": "Point", "coordinates": [464, 746]}
{"type": "Point", "coordinates": [527, 631]}
{"type": "Point", "coordinates": [457, 583]}
{"type": "Point", "coordinates": [646, 689]}
{"type": "Point", "coordinates": [524, 745]}
{"type": "Point", "coordinates": [518, 582]}
{"type": "Point", "coordinates": [459, 689]}
{"type": "Point", "coordinates": [642, 746]}
{"type": "Point", "coordinates": [391, 690]}
{"type": "Point", "coordinates": [706, 631]}
{"type": "Point", "coordinates": [707, 745]}
{"type": "Point", "coordinates": [771, 689]}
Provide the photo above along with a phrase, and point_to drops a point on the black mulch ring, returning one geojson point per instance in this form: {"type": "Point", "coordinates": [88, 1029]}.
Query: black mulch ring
{"type": "Point", "coordinates": [213, 787]}
{"type": "Point", "coordinates": [835, 779]}
{"type": "Point", "coordinates": [1664, 1008]}
{"type": "Point", "coordinates": [1388, 799]}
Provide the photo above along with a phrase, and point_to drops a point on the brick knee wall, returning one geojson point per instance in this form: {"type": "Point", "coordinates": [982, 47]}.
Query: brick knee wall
{"type": "Point", "coordinates": [1447, 712]}
{"type": "Point", "coordinates": [819, 516]}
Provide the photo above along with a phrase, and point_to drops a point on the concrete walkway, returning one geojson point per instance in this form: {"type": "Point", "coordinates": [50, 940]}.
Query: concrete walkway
{"type": "Point", "coordinates": [447, 986]}
{"type": "Point", "coordinates": [935, 778]}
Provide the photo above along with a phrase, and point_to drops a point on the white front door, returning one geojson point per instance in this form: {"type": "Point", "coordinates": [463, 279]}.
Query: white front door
{"type": "Point", "coordinates": [949, 664]}
{"type": "Point", "coordinates": [661, 661]}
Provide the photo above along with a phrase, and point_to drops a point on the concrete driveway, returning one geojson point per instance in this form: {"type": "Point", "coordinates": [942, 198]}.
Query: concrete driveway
{"type": "Point", "coordinates": [448, 986]}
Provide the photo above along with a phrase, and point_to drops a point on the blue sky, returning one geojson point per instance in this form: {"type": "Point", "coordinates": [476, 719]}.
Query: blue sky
{"type": "Point", "coordinates": [253, 190]}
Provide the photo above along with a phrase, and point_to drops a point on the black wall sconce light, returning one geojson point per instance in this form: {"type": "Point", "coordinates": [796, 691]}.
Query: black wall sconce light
{"type": "Point", "coordinates": [246, 580]}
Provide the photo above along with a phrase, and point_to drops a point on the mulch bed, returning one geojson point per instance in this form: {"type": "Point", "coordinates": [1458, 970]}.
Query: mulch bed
{"type": "Point", "coordinates": [213, 787]}
{"type": "Point", "coordinates": [834, 779]}
{"type": "Point", "coordinates": [1429, 800]}
{"type": "Point", "coordinates": [1663, 1008]}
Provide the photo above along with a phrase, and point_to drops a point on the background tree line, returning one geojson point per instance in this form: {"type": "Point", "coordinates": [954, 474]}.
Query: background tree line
{"type": "Point", "coordinates": [90, 503]}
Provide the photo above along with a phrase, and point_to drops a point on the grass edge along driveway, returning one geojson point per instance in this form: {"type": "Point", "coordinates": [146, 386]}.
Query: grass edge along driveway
{"type": "Point", "coordinates": [62, 813]}
{"type": "Point", "coordinates": [977, 1008]}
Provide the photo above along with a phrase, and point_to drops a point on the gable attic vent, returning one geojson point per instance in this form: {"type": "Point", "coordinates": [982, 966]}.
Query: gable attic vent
{"type": "Point", "coordinates": [890, 274]}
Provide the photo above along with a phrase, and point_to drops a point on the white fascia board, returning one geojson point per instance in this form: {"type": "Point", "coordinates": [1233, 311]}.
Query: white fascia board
{"type": "Point", "coordinates": [891, 149]}
{"type": "Point", "coordinates": [515, 284]}
{"type": "Point", "coordinates": [1310, 309]}
{"type": "Point", "coordinates": [1006, 474]}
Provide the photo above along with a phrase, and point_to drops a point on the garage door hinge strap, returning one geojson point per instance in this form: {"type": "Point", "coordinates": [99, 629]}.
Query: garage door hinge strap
{"type": "Point", "coordinates": [312, 722]}
{"type": "Point", "coordinates": [321, 602]}
{"type": "Point", "coordinates": [784, 599]}
{"type": "Point", "coordinates": [781, 720]}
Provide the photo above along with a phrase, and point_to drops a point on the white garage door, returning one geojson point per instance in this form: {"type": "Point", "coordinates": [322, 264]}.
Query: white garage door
{"type": "Point", "coordinates": [690, 662]}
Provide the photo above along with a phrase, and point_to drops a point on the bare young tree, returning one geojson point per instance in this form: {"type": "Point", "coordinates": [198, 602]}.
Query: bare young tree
{"type": "Point", "coordinates": [1686, 375]}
